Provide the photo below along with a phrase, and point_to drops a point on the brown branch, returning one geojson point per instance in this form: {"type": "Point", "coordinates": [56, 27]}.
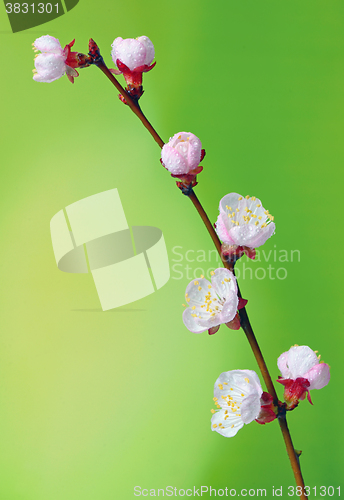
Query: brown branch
{"type": "Point", "coordinates": [244, 320]}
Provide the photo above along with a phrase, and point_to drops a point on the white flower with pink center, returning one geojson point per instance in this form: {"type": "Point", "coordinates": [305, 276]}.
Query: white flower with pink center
{"type": "Point", "coordinates": [211, 304]}
{"type": "Point", "coordinates": [244, 222]}
{"type": "Point", "coordinates": [237, 395]}
{"type": "Point", "coordinates": [301, 372]}
{"type": "Point", "coordinates": [53, 61]}
{"type": "Point", "coordinates": [182, 154]}
{"type": "Point", "coordinates": [134, 53]}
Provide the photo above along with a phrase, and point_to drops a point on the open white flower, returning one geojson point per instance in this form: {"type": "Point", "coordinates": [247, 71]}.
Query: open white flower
{"type": "Point", "coordinates": [237, 396]}
{"type": "Point", "coordinates": [211, 304]}
{"type": "Point", "coordinates": [244, 222]}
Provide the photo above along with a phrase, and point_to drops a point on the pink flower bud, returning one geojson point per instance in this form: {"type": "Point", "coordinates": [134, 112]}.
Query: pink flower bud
{"type": "Point", "coordinates": [133, 52]}
{"type": "Point", "coordinates": [301, 372]}
{"type": "Point", "coordinates": [182, 153]}
{"type": "Point", "coordinates": [132, 56]}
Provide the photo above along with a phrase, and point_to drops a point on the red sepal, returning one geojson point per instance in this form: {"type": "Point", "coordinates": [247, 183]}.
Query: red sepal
{"type": "Point", "coordinates": [250, 252]}
{"type": "Point", "coordinates": [235, 323]}
{"type": "Point", "coordinates": [295, 391]}
{"type": "Point", "coordinates": [213, 329]}
{"type": "Point", "coordinates": [242, 303]}
{"type": "Point", "coordinates": [267, 413]}
{"type": "Point", "coordinates": [76, 59]}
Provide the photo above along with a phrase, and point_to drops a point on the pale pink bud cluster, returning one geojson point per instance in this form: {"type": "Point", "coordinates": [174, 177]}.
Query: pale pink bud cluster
{"type": "Point", "coordinates": [182, 153]}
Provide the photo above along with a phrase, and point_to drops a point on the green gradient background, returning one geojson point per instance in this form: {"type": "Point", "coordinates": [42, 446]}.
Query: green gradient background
{"type": "Point", "coordinates": [94, 403]}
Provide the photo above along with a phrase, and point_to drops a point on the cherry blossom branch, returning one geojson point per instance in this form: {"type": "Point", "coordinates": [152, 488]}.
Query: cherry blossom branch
{"type": "Point", "coordinates": [244, 320]}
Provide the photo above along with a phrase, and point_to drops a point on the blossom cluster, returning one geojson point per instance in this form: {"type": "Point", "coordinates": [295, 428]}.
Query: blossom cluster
{"type": "Point", "coordinates": [239, 397]}
{"type": "Point", "coordinates": [243, 224]}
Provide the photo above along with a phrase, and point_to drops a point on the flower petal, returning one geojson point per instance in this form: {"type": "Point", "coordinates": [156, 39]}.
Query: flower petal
{"type": "Point", "coordinates": [264, 234]}
{"type": "Point", "coordinates": [230, 200]}
{"type": "Point", "coordinates": [251, 235]}
{"type": "Point", "coordinates": [197, 290]}
{"type": "Point", "coordinates": [47, 43]}
{"type": "Point", "coordinates": [223, 231]}
{"type": "Point", "coordinates": [50, 67]}
{"type": "Point", "coordinates": [229, 309]}
{"type": "Point", "coordinates": [224, 283]}
{"type": "Point", "coordinates": [238, 384]}
{"type": "Point", "coordinates": [282, 364]}
{"type": "Point", "coordinates": [173, 161]}
{"type": "Point", "coordinates": [250, 408]}
{"type": "Point", "coordinates": [229, 426]}
{"type": "Point", "coordinates": [300, 360]}
{"type": "Point", "coordinates": [190, 323]}
{"type": "Point", "coordinates": [148, 45]}
{"type": "Point", "coordinates": [318, 376]}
